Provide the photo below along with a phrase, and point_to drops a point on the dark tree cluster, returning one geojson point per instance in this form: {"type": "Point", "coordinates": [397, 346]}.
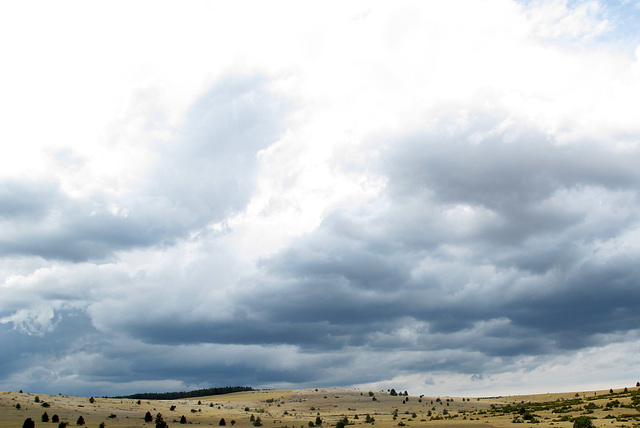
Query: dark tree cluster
{"type": "Point", "coordinates": [187, 394]}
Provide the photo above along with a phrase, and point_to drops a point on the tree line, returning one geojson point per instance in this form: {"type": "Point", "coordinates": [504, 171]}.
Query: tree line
{"type": "Point", "coordinates": [187, 394]}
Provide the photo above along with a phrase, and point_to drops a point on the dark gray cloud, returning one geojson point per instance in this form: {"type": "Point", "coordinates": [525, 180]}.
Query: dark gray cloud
{"type": "Point", "coordinates": [475, 255]}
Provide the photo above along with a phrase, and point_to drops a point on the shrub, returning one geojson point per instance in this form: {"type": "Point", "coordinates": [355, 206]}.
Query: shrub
{"type": "Point", "coordinates": [583, 422]}
{"type": "Point", "coordinates": [28, 423]}
{"type": "Point", "coordinates": [160, 423]}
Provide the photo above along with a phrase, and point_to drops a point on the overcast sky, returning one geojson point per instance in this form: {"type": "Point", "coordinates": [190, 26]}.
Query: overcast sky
{"type": "Point", "coordinates": [440, 197]}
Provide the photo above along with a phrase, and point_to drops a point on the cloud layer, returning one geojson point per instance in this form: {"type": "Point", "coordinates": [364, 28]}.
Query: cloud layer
{"type": "Point", "coordinates": [438, 198]}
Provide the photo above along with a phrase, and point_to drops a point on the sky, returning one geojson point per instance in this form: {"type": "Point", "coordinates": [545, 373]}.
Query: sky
{"type": "Point", "coordinates": [440, 197]}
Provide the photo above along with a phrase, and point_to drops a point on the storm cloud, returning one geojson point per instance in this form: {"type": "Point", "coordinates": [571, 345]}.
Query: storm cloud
{"type": "Point", "coordinates": [368, 195]}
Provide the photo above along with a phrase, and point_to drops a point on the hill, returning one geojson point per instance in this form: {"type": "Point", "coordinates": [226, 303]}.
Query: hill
{"type": "Point", "coordinates": [301, 408]}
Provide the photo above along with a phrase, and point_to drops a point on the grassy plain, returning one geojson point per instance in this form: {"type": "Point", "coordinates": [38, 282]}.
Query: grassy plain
{"type": "Point", "coordinates": [299, 408]}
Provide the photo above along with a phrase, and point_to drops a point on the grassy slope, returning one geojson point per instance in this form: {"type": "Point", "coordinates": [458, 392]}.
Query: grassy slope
{"type": "Point", "coordinates": [302, 406]}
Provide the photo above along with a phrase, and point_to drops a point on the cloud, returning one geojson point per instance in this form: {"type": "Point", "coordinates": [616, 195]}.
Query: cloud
{"type": "Point", "coordinates": [205, 173]}
{"type": "Point", "coordinates": [407, 197]}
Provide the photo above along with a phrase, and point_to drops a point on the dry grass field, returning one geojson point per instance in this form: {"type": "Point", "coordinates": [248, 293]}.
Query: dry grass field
{"type": "Point", "coordinates": [300, 408]}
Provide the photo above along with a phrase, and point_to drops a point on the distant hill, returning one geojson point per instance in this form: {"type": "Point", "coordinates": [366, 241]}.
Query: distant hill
{"type": "Point", "coordinates": [186, 394]}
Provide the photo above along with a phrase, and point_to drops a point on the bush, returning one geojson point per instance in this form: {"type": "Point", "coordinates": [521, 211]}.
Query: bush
{"type": "Point", "coordinates": [583, 422]}
{"type": "Point", "coordinates": [160, 423]}
{"type": "Point", "coordinates": [342, 423]}
{"type": "Point", "coordinates": [28, 423]}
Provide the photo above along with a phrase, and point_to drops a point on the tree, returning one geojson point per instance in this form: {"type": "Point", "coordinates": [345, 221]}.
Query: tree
{"type": "Point", "coordinates": [148, 417]}
{"type": "Point", "coordinates": [583, 422]}
{"type": "Point", "coordinates": [160, 423]}
{"type": "Point", "coordinates": [393, 392]}
{"type": "Point", "coordinates": [37, 399]}
{"type": "Point", "coordinates": [222, 422]}
{"type": "Point", "coordinates": [63, 424]}
{"type": "Point", "coordinates": [172, 408]}
{"type": "Point", "coordinates": [252, 418]}
{"type": "Point", "coordinates": [28, 423]}
{"type": "Point", "coordinates": [342, 423]}
{"type": "Point", "coordinates": [80, 421]}
{"type": "Point", "coordinates": [101, 425]}
{"type": "Point", "coordinates": [92, 400]}
{"type": "Point", "coordinates": [55, 419]}
{"type": "Point", "coordinates": [45, 417]}
{"type": "Point", "coordinates": [257, 422]}
{"type": "Point", "coordinates": [318, 421]}
{"type": "Point", "coordinates": [183, 419]}
{"type": "Point", "coordinates": [18, 406]}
